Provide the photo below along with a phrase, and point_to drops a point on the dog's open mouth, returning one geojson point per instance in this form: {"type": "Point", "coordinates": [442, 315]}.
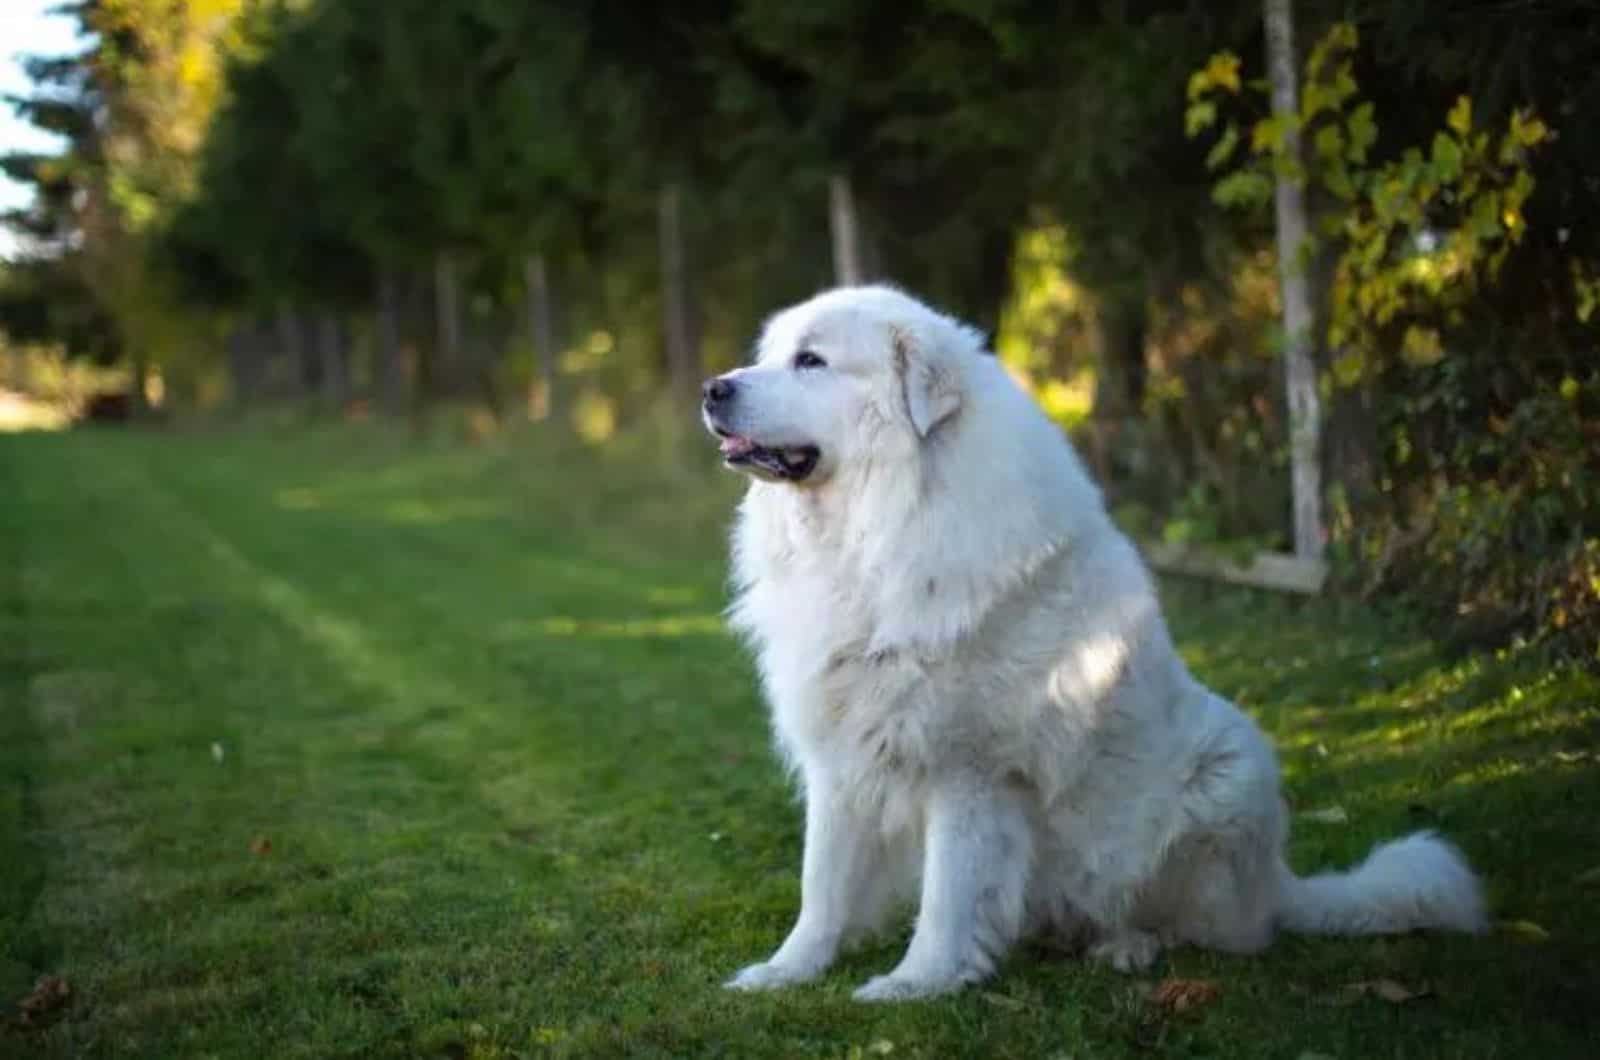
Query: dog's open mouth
{"type": "Point", "coordinates": [791, 464]}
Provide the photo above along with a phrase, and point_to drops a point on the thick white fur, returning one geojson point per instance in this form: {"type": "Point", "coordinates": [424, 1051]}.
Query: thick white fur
{"type": "Point", "coordinates": [970, 676]}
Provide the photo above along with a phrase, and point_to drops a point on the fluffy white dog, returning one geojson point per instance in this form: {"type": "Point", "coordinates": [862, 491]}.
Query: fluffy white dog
{"type": "Point", "coordinates": [969, 674]}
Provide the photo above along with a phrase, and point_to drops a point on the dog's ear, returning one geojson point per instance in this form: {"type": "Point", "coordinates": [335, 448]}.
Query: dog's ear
{"type": "Point", "coordinates": [931, 396]}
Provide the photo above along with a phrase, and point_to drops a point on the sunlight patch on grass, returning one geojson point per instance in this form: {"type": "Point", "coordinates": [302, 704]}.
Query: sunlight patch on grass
{"type": "Point", "coordinates": [421, 512]}
{"type": "Point", "coordinates": [691, 625]}
{"type": "Point", "coordinates": [673, 595]}
{"type": "Point", "coordinates": [341, 639]}
{"type": "Point", "coordinates": [299, 500]}
{"type": "Point", "coordinates": [1490, 772]}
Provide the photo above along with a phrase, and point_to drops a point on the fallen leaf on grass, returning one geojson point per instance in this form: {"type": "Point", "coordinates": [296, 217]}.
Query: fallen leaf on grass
{"type": "Point", "coordinates": [1387, 989]}
{"type": "Point", "coordinates": [48, 996]}
{"type": "Point", "coordinates": [260, 845]}
{"type": "Point", "coordinates": [1181, 995]}
{"type": "Point", "coordinates": [1331, 815]}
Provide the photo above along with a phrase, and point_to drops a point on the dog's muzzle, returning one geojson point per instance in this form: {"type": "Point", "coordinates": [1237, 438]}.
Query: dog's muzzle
{"type": "Point", "coordinates": [788, 463]}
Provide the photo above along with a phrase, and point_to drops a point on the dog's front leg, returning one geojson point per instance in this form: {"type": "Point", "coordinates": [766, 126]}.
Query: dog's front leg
{"type": "Point", "coordinates": [841, 855]}
{"type": "Point", "coordinates": [977, 857]}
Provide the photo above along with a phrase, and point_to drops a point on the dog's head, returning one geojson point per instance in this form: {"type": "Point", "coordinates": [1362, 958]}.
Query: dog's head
{"type": "Point", "coordinates": [855, 374]}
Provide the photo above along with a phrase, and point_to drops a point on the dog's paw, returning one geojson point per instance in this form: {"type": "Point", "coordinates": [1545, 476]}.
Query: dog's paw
{"type": "Point", "coordinates": [896, 987]}
{"type": "Point", "coordinates": [769, 975]}
{"type": "Point", "coordinates": [1131, 951]}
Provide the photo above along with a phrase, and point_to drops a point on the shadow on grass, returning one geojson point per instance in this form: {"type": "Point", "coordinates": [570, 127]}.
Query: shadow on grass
{"type": "Point", "coordinates": [26, 949]}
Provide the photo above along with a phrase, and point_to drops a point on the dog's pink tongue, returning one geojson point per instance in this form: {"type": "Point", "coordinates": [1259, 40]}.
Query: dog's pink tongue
{"type": "Point", "coordinates": [734, 445]}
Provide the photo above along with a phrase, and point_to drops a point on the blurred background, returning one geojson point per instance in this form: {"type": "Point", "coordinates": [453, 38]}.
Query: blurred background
{"type": "Point", "coordinates": [518, 219]}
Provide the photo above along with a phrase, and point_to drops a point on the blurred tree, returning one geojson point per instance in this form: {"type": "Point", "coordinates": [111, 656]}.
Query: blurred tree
{"type": "Point", "coordinates": [44, 295]}
{"type": "Point", "coordinates": [157, 71]}
{"type": "Point", "coordinates": [419, 137]}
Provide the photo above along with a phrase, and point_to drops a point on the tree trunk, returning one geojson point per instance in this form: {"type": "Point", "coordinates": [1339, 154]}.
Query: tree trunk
{"type": "Point", "coordinates": [683, 367]}
{"type": "Point", "coordinates": [1300, 374]}
{"type": "Point", "coordinates": [303, 360]}
{"type": "Point", "coordinates": [484, 340]}
{"type": "Point", "coordinates": [245, 368]}
{"type": "Point", "coordinates": [1119, 392]}
{"type": "Point", "coordinates": [1120, 382]}
{"type": "Point", "coordinates": [447, 306]}
{"type": "Point", "coordinates": [388, 370]}
{"type": "Point", "coordinates": [335, 365]}
{"type": "Point", "coordinates": [542, 334]}
{"type": "Point", "coordinates": [139, 385]}
{"type": "Point", "coordinates": [847, 271]}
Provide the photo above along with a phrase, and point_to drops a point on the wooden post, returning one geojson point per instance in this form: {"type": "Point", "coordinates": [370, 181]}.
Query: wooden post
{"type": "Point", "coordinates": [541, 333]}
{"type": "Point", "coordinates": [244, 362]}
{"type": "Point", "coordinates": [682, 357]}
{"type": "Point", "coordinates": [447, 308]}
{"type": "Point", "coordinates": [847, 271]}
{"type": "Point", "coordinates": [305, 367]}
{"type": "Point", "coordinates": [388, 370]}
{"type": "Point", "coordinates": [335, 368]}
{"type": "Point", "coordinates": [1300, 373]}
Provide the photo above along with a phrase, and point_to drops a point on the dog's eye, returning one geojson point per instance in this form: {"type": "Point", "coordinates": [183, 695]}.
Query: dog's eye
{"type": "Point", "coordinates": [806, 359]}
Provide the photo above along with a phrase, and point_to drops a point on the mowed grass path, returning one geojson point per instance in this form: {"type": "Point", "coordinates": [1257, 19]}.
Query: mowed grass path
{"type": "Point", "coordinates": [333, 745]}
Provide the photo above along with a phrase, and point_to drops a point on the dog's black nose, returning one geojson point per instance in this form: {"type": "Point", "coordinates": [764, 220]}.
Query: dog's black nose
{"type": "Point", "coordinates": [716, 391]}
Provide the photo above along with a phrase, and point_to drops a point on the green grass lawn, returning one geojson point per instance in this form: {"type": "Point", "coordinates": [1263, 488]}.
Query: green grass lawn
{"type": "Point", "coordinates": [330, 744]}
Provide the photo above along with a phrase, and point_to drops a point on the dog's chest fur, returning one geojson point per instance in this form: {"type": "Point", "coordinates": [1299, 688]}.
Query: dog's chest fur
{"type": "Point", "coordinates": [835, 689]}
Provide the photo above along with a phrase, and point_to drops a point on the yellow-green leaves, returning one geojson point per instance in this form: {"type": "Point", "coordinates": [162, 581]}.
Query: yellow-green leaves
{"type": "Point", "coordinates": [1527, 130]}
{"type": "Point", "coordinates": [1199, 117]}
{"type": "Point", "coordinates": [1361, 132]}
{"type": "Point", "coordinates": [1220, 74]}
{"type": "Point", "coordinates": [1221, 71]}
{"type": "Point", "coordinates": [1416, 236]}
{"type": "Point", "coordinates": [1223, 149]}
{"type": "Point", "coordinates": [1586, 286]}
{"type": "Point", "coordinates": [1422, 345]}
{"type": "Point", "coordinates": [1243, 187]}
{"type": "Point", "coordinates": [1446, 157]}
{"type": "Point", "coordinates": [1267, 136]}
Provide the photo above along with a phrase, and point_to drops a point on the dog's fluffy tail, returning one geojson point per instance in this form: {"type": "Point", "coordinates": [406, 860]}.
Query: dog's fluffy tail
{"type": "Point", "coordinates": [1420, 881]}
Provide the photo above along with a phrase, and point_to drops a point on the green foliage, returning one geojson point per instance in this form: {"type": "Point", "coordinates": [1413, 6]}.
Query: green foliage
{"type": "Point", "coordinates": [1478, 453]}
{"type": "Point", "coordinates": [1415, 237]}
{"type": "Point", "coordinates": [132, 108]}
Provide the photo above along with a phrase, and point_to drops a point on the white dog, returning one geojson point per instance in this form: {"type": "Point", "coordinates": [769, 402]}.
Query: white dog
{"type": "Point", "coordinates": [969, 674]}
